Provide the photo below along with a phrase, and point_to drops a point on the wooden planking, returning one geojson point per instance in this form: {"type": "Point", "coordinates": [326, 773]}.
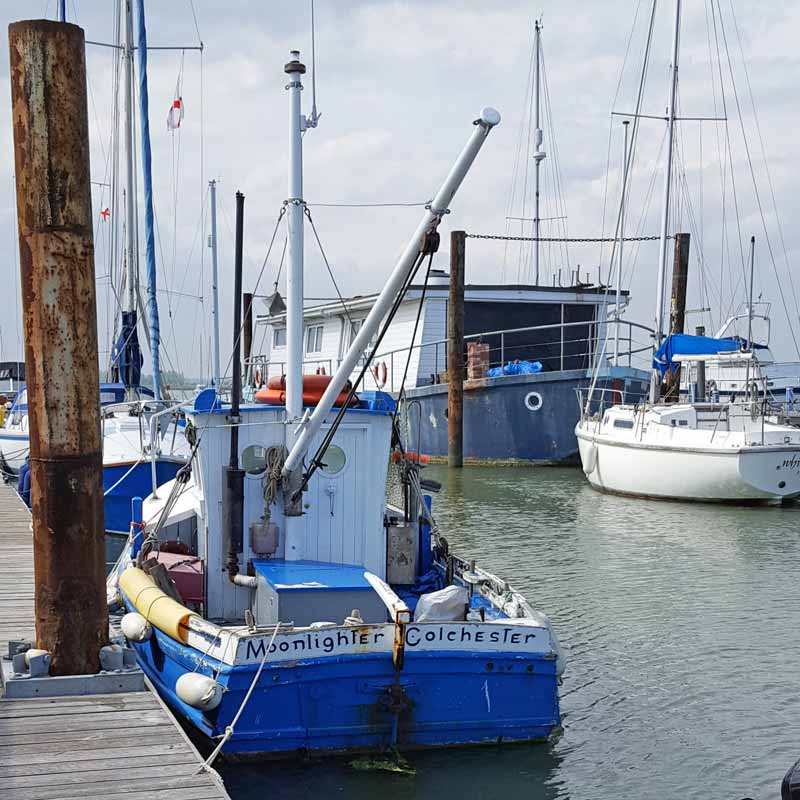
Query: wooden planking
{"type": "Point", "coordinates": [124, 746]}
{"type": "Point", "coordinates": [16, 570]}
{"type": "Point", "coordinates": [160, 787]}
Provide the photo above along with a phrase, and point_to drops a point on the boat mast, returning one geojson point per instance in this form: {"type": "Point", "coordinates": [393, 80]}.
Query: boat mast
{"type": "Point", "coordinates": [212, 243]}
{"type": "Point", "coordinates": [662, 261]}
{"type": "Point", "coordinates": [539, 155]}
{"type": "Point", "coordinates": [295, 206]}
{"type": "Point", "coordinates": [310, 426]}
{"type": "Point", "coordinates": [149, 232]}
{"type": "Point", "coordinates": [620, 242]}
{"type": "Point", "coordinates": [131, 268]}
{"type": "Point", "coordinates": [750, 313]}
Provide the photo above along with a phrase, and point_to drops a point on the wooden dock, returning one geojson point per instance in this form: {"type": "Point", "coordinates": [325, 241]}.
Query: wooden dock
{"type": "Point", "coordinates": [126, 745]}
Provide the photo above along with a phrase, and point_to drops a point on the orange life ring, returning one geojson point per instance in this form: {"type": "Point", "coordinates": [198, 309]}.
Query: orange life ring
{"type": "Point", "coordinates": [258, 381]}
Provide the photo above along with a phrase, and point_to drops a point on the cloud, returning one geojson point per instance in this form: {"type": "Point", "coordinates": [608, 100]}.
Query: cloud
{"type": "Point", "coordinates": [399, 84]}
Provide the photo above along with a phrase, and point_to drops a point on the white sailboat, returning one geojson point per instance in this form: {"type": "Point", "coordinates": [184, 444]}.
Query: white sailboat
{"type": "Point", "coordinates": [726, 451]}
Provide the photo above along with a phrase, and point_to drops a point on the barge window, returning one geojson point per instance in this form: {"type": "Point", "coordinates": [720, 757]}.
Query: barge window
{"type": "Point", "coordinates": [314, 339]}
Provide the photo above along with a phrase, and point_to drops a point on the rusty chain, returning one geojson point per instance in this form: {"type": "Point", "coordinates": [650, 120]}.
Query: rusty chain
{"type": "Point", "coordinates": [561, 239]}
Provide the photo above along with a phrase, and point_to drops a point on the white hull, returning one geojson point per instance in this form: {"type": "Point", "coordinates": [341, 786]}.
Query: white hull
{"type": "Point", "coordinates": [14, 447]}
{"type": "Point", "coordinates": [688, 464]}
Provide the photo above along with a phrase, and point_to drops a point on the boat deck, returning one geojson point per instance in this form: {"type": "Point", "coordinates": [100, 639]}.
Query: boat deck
{"type": "Point", "coordinates": [126, 745]}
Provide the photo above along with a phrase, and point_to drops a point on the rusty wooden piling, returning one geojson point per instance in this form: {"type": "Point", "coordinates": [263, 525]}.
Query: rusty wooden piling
{"type": "Point", "coordinates": [54, 213]}
{"type": "Point", "coordinates": [455, 351]}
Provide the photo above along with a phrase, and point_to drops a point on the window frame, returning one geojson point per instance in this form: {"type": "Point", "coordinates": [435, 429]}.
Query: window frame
{"type": "Point", "coordinates": [318, 332]}
{"type": "Point", "coordinates": [275, 333]}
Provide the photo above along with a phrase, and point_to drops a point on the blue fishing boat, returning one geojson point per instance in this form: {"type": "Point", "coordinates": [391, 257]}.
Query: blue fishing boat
{"type": "Point", "coordinates": [290, 607]}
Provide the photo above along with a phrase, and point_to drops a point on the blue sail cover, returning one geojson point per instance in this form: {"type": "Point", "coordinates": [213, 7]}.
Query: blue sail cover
{"type": "Point", "coordinates": [147, 175]}
{"type": "Point", "coordinates": [684, 344]}
{"type": "Point", "coordinates": [126, 357]}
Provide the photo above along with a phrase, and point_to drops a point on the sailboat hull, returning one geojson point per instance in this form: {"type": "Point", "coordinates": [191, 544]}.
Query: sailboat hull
{"type": "Point", "coordinates": [751, 474]}
{"type": "Point", "coordinates": [351, 703]}
{"type": "Point", "coordinates": [127, 480]}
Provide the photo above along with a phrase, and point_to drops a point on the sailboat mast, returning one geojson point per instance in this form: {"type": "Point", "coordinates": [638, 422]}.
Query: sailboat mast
{"type": "Point", "coordinates": [662, 260]}
{"type": "Point", "coordinates": [149, 215]}
{"type": "Point", "coordinates": [539, 154]}
{"type": "Point", "coordinates": [212, 187]}
{"type": "Point", "coordinates": [621, 242]}
{"type": "Point", "coordinates": [295, 207]}
{"type": "Point", "coordinates": [129, 302]}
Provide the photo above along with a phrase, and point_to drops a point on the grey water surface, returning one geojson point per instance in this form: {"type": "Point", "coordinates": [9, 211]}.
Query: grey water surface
{"type": "Point", "coordinates": [680, 626]}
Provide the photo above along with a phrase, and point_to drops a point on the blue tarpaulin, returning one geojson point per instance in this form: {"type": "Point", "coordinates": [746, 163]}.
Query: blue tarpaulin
{"type": "Point", "coordinates": [126, 357]}
{"type": "Point", "coordinates": [516, 368]}
{"type": "Point", "coordinates": [685, 344]}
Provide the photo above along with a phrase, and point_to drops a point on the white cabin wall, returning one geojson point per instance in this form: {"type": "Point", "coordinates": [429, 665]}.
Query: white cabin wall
{"type": "Point", "coordinates": [398, 338]}
{"type": "Point", "coordinates": [433, 355]}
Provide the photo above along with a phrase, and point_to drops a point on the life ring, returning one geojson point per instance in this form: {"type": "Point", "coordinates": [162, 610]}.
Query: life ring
{"type": "Point", "coordinates": [533, 401]}
{"type": "Point", "coordinates": [258, 380]}
{"type": "Point", "coordinates": [381, 374]}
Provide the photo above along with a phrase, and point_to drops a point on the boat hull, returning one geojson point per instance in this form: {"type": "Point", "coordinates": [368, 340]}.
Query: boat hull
{"type": "Point", "coordinates": [752, 474]}
{"type": "Point", "coordinates": [351, 703]}
{"type": "Point", "coordinates": [514, 419]}
{"type": "Point", "coordinates": [14, 447]}
{"type": "Point", "coordinates": [129, 480]}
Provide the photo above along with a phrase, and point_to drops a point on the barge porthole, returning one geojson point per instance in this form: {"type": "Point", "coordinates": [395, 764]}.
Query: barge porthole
{"type": "Point", "coordinates": [533, 401]}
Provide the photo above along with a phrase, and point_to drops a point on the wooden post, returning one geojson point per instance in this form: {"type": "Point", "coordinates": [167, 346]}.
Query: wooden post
{"type": "Point", "coordinates": [455, 351]}
{"type": "Point", "coordinates": [54, 214]}
{"type": "Point", "coordinates": [700, 394]}
{"type": "Point", "coordinates": [680, 270]}
{"type": "Point", "coordinates": [247, 334]}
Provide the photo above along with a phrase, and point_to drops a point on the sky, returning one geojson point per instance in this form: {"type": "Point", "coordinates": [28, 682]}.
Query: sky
{"type": "Point", "coordinates": [398, 86]}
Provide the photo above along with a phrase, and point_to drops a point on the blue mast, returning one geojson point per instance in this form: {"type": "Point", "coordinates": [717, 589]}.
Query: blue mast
{"type": "Point", "coordinates": [147, 176]}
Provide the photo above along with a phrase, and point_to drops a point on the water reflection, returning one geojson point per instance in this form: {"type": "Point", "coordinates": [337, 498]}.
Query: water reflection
{"type": "Point", "coordinates": [679, 623]}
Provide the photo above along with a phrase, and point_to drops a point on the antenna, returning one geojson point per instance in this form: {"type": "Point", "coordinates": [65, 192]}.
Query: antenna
{"type": "Point", "coordinates": [313, 119]}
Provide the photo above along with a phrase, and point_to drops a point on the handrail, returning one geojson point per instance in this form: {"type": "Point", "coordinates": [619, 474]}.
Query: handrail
{"type": "Point", "coordinates": [153, 418]}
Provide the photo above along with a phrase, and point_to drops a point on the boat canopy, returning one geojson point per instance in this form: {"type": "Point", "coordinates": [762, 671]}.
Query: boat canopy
{"type": "Point", "coordinates": [678, 344]}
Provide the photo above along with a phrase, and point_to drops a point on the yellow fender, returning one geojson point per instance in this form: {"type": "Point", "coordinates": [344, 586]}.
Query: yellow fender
{"type": "Point", "coordinates": [159, 609]}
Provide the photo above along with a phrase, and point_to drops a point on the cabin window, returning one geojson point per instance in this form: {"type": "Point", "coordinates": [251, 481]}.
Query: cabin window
{"type": "Point", "coordinates": [314, 339]}
{"type": "Point", "coordinates": [354, 326]}
{"type": "Point", "coordinates": [254, 459]}
{"type": "Point", "coordinates": [279, 337]}
{"type": "Point", "coordinates": [623, 423]}
{"type": "Point", "coordinates": [334, 460]}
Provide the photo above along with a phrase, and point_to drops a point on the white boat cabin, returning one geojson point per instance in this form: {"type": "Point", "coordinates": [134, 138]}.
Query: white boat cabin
{"type": "Point", "coordinates": [567, 322]}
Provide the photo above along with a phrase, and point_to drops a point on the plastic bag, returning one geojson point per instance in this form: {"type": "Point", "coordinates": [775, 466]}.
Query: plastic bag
{"type": "Point", "coordinates": [516, 368]}
{"type": "Point", "coordinates": [446, 605]}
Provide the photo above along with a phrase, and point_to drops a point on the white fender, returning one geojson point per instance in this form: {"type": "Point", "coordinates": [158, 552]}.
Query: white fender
{"type": "Point", "coordinates": [32, 653]}
{"type": "Point", "coordinates": [136, 628]}
{"type": "Point", "coordinates": [591, 459]}
{"type": "Point", "coordinates": [198, 691]}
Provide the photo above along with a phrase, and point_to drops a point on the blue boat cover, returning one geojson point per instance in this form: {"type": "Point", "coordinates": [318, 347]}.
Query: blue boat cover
{"type": "Point", "coordinates": [685, 344]}
{"type": "Point", "coordinates": [126, 357]}
{"type": "Point", "coordinates": [516, 368]}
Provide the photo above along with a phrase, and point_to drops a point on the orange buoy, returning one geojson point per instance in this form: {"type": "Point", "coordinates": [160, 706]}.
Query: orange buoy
{"type": "Point", "coordinates": [274, 394]}
{"type": "Point", "coordinates": [397, 456]}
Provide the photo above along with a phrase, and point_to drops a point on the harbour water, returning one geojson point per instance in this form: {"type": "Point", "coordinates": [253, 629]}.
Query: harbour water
{"type": "Point", "coordinates": [679, 623]}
